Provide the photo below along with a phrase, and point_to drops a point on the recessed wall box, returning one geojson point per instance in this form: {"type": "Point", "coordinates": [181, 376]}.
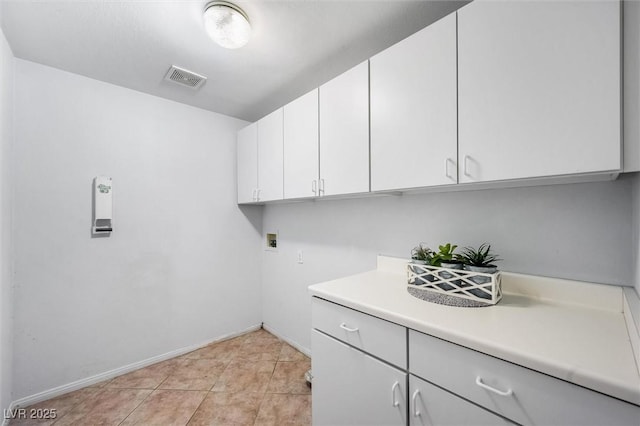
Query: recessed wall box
{"type": "Point", "coordinates": [102, 205]}
{"type": "Point", "coordinates": [272, 241]}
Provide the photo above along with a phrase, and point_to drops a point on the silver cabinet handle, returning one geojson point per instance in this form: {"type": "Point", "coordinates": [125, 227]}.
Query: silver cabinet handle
{"type": "Point", "coordinates": [414, 403]}
{"type": "Point", "coordinates": [393, 394]}
{"type": "Point", "coordinates": [314, 187]}
{"type": "Point", "coordinates": [350, 330]}
{"type": "Point", "coordinates": [491, 389]}
{"type": "Point", "coordinates": [321, 190]}
{"type": "Point", "coordinates": [253, 195]}
{"type": "Point", "coordinates": [446, 169]}
{"type": "Point", "coordinates": [258, 194]}
{"type": "Point", "coordinates": [465, 169]}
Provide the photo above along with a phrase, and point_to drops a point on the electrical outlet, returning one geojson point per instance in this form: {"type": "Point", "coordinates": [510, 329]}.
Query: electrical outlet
{"type": "Point", "coordinates": [300, 257]}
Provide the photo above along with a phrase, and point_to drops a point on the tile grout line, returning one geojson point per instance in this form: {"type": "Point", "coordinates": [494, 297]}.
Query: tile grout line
{"type": "Point", "coordinates": [145, 398]}
{"type": "Point", "coordinates": [168, 375]}
{"type": "Point", "coordinates": [264, 395]}
{"type": "Point", "coordinates": [198, 407]}
{"type": "Point", "coordinates": [136, 407]}
{"type": "Point", "coordinates": [101, 390]}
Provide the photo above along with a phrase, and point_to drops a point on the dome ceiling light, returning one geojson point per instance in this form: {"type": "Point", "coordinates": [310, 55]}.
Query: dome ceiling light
{"type": "Point", "coordinates": [227, 24]}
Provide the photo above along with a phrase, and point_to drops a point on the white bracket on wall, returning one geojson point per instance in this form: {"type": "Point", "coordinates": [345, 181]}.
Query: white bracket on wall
{"type": "Point", "coordinates": [102, 205]}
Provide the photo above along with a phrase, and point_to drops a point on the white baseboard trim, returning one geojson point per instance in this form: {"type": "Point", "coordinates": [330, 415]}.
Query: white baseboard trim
{"type": "Point", "coordinates": [5, 421]}
{"type": "Point", "coordinates": [280, 336]}
{"type": "Point", "coordinates": [79, 384]}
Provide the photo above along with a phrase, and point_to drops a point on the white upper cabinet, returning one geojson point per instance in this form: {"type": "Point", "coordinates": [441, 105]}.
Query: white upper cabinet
{"type": "Point", "coordinates": [270, 146]}
{"type": "Point", "coordinates": [413, 110]}
{"type": "Point", "coordinates": [301, 147]}
{"type": "Point", "coordinates": [499, 91]}
{"type": "Point", "coordinates": [344, 133]}
{"type": "Point", "coordinates": [539, 89]}
{"type": "Point", "coordinates": [247, 164]}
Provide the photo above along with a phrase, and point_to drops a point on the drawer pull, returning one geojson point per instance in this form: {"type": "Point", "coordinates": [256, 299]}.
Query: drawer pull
{"type": "Point", "coordinates": [494, 390]}
{"type": "Point", "coordinates": [350, 330]}
{"type": "Point", "coordinates": [393, 394]}
{"type": "Point", "coordinates": [416, 412]}
{"type": "Point", "coordinates": [465, 169]}
{"type": "Point", "coordinates": [446, 169]}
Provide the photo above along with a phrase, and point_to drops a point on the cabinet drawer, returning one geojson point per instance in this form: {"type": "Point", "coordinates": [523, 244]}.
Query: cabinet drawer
{"type": "Point", "coordinates": [520, 394]}
{"type": "Point", "coordinates": [429, 405]}
{"type": "Point", "coordinates": [375, 336]}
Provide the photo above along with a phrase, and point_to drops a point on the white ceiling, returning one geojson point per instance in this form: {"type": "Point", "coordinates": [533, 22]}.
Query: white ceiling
{"type": "Point", "coordinates": [296, 45]}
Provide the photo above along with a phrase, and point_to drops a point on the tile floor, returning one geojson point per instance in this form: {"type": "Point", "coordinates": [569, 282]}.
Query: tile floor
{"type": "Point", "coordinates": [253, 379]}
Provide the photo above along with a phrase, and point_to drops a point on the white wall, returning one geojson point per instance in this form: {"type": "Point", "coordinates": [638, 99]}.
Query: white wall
{"type": "Point", "coordinates": [579, 231]}
{"type": "Point", "coordinates": [6, 292]}
{"type": "Point", "coordinates": [636, 230]}
{"type": "Point", "coordinates": [177, 270]}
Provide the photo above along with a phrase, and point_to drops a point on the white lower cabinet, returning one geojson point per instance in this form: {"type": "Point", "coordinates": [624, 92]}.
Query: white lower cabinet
{"type": "Point", "coordinates": [353, 388]}
{"type": "Point", "coordinates": [359, 381]}
{"type": "Point", "coordinates": [430, 405]}
{"type": "Point", "coordinates": [515, 392]}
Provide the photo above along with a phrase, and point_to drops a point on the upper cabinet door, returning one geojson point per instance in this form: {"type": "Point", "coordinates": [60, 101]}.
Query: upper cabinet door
{"type": "Point", "coordinates": [247, 163]}
{"type": "Point", "coordinates": [413, 110]}
{"type": "Point", "coordinates": [539, 88]}
{"type": "Point", "coordinates": [270, 157]}
{"type": "Point", "coordinates": [301, 147]}
{"type": "Point", "coordinates": [344, 132]}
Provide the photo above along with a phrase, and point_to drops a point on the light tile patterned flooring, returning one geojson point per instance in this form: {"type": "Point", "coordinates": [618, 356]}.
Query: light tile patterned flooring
{"type": "Point", "coordinates": [251, 379]}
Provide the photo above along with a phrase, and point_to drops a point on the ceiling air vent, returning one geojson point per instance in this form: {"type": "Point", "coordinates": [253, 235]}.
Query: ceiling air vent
{"type": "Point", "coordinates": [184, 77]}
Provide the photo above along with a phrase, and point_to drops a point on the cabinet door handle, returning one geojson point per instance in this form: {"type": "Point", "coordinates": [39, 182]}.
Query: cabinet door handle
{"type": "Point", "coordinates": [394, 402]}
{"type": "Point", "coordinates": [414, 403]}
{"type": "Point", "coordinates": [314, 187]}
{"type": "Point", "coordinates": [491, 389]}
{"type": "Point", "coordinates": [345, 328]}
{"type": "Point", "coordinates": [446, 168]}
{"type": "Point", "coordinates": [258, 194]}
{"type": "Point", "coordinates": [253, 195]}
{"type": "Point", "coordinates": [465, 168]}
{"type": "Point", "coordinates": [321, 190]}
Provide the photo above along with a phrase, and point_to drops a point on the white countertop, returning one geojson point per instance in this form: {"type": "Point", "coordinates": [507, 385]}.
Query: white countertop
{"type": "Point", "coordinates": [573, 331]}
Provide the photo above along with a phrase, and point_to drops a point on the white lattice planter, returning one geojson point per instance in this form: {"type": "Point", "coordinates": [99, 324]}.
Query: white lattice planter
{"type": "Point", "coordinates": [476, 287]}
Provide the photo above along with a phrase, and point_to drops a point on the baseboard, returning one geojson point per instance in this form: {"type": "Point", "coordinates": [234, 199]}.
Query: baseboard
{"type": "Point", "coordinates": [79, 384]}
{"type": "Point", "coordinates": [5, 421]}
{"type": "Point", "coordinates": [280, 336]}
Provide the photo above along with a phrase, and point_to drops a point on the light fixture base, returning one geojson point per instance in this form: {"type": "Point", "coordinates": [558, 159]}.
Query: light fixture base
{"type": "Point", "coordinates": [227, 4]}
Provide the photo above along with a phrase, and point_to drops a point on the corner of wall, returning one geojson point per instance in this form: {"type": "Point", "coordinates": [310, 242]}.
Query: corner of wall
{"type": "Point", "coordinates": [7, 115]}
{"type": "Point", "coordinates": [635, 214]}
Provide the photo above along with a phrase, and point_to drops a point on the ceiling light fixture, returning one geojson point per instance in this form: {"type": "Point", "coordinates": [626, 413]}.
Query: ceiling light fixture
{"type": "Point", "coordinates": [227, 24]}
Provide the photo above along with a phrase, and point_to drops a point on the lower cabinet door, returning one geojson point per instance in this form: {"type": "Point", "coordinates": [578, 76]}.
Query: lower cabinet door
{"type": "Point", "coordinates": [430, 405]}
{"type": "Point", "coordinates": [352, 388]}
